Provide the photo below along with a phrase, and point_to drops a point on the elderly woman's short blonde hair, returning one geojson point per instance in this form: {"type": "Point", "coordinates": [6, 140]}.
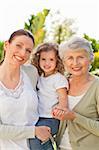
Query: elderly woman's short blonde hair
{"type": "Point", "coordinates": [76, 43]}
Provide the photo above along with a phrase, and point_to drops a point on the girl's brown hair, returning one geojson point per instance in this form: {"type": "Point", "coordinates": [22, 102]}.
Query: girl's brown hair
{"type": "Point", "coordinates": [45, 47]}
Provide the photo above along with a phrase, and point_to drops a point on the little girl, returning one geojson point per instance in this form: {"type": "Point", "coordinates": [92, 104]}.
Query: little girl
{"type": "Point", "coordinates": [52, 90]}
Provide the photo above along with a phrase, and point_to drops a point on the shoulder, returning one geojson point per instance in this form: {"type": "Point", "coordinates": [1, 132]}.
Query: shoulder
{"type": "Point", "coordinates": [59, 76]}
{"type": "Point", "coordinates": [32, 73]}
{"type": "Point", "coordinates": [29, 68]}
{"type": "Point", "coordinates": [96, 81]}
{"type": "Point", "coordinates": [60, 80]}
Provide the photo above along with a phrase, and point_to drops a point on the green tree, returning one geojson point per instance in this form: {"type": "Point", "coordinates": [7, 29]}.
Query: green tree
{"type": "Point", "coordinates": [94, 42]}
{"type": "Point", "coordinates": [1, 50]}
{"type": "Point", "coordinates": [36, 25]}
{"type": "Point", "coordinates": [95, 46]}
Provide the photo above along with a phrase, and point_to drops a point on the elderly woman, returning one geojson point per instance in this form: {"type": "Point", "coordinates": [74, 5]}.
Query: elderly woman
{"type": "Point", "coordinates": [82, 131]}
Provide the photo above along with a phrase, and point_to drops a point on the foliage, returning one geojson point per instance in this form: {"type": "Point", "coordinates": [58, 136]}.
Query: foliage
{"type": "Point", "coordinates": [95, 64]}
{"type": "Point", "coordinates": [95, 46]}
{"type": "Point", "coordinates": [95, 72]}
{"type": "Point", "coordinates": [94, 43]}
{"type": "Point", "coordinates": [61, 28]}
{"type": "Point", "coordinates": [1, 49]}
{"type": "Point", "coordinates": [36, 26]}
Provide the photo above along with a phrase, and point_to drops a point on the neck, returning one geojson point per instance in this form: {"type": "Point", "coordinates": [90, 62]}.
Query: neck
{"type": "Point", "coordinates": [81, 79]}
{"type": "Point", "coordinates": [8, 71]}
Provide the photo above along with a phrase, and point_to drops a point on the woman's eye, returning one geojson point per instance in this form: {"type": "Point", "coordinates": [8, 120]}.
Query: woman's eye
{"type": "Point", "coordinates": [69, 58]}
{"type": "Point", "coordinates": [81, 57]}
{"type": "Point", "coordinates": [18, 45]}
{"type": "Point", "coordinates": [29, 51]}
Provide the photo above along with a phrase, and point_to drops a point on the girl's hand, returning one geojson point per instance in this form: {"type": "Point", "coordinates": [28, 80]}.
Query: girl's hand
{"type": "Point", "coordinates": [43, 133]}
{"type": "Point", "coordinates": [62, 114]}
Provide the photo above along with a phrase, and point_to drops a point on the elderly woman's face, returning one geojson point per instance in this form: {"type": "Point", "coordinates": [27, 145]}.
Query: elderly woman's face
{"type": "Point", "coordinates": [76, 62]}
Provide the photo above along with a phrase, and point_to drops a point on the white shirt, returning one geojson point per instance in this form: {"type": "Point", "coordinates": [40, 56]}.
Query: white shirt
{"type": "Point", "coordinates": [72, 101]}
{"type": "Point", "coordinates": [18, 107]}
{"type": "Point", "coordinates": [47, 94]}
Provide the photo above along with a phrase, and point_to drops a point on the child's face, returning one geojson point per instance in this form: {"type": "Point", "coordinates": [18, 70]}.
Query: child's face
{"type": "Point", "coordinates": [48, 62]}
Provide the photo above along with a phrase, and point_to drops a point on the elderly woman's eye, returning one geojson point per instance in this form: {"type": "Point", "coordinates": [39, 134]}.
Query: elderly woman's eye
{"type": "Point", "coordinates": [81, 57]}
{"type": "Point", "coordinates": [69, 58]}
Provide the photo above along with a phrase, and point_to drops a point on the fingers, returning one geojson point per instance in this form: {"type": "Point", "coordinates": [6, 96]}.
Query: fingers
{"type": "Point", "coordinates": [60, 113]}
{"type": "Point", "coordinates": [42, 132]}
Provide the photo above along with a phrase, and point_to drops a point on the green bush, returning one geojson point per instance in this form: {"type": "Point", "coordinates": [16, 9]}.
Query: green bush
{"type": "Point", "coordinates": [1, 50]}
{"type": "Point", "coordinates": [95, 64]}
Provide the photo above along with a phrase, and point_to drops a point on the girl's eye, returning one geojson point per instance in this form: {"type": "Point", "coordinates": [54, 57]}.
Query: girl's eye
{"type": "Point", "coordinates": [42, 58]}
{"type": "Point", "coordinates": [51, 59]}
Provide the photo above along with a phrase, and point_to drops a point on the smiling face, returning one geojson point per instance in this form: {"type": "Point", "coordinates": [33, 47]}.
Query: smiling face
{"type": "Point", "coordinates": [76, 62]}
{"type": "Point", "coordinates": [48, 62]}
{"type": "Point", "coordinates": [18, 50]}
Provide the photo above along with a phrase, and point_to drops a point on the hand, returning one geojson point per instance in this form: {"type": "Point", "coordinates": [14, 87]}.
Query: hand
{"type": "Point", "coordinates": [60, 107]}
{"type": "Point", "coordinates": [63, 115]}
{"type": "Point", "coordinates": [43, 133]}
{"type": "Point", "coordinates": [58, 111]}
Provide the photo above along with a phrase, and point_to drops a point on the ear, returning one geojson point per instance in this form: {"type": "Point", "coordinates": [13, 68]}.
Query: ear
{"type": "Point", "coordinates": [6, 44]}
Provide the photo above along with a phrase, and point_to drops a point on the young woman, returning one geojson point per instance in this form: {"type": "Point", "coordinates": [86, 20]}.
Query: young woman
{"type": "Point", "coordinates": [18, 100]}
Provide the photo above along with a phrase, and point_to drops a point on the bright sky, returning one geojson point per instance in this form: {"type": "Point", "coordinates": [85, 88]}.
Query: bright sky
{"type": "Point", "coordinates": [13, 14]}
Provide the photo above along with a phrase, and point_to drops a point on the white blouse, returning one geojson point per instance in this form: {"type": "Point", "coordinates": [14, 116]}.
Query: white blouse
{"type": "Point", "coordinates": [72, 101]}
{"type": "Point", "coordinates": [18, 107]}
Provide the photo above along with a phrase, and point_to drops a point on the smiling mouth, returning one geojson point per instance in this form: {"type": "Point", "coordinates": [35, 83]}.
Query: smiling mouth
{"type": "Point", "coordinates": [76, 69]}
{"type": "Point", "coordinates": [18, 58]}
{"type": "Point", "coordinates": [46, 67]}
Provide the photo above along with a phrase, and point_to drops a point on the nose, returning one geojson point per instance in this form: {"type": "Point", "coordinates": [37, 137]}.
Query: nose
{"type": "Point", "coordinates": [75, 62]}
{"type": "Point", "coordinates": [47, 62]}
{"type": "Point", "coordinates": [23, 52]}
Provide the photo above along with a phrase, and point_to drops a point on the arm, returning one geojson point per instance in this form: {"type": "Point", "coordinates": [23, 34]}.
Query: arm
{"type": "Point", "coordinates": [62, 97]}
{"type": "Point", "coordinates": [89, 124]}
{"type": "Point", "coordinates": [24, 132]}
{"type": "Point", "coordinates": [16, 132]}
{"type": "Point", "coordinates": [63, 102]}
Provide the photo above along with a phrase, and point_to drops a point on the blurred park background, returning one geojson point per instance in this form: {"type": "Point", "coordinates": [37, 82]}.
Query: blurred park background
{"type": "Point", "coordinates": [51, 20]}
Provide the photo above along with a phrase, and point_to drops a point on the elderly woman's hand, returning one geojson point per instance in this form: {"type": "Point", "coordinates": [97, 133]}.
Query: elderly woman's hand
{"type": "Point", "coordinates": [63, 115]}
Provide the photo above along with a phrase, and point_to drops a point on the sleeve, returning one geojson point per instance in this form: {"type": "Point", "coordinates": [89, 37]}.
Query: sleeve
{"type": "Point", "coordinates": [61, 82]}
{"type": "Point", "coordinates": [16, 132]}
{"type": "Point", "coordinates": [89, 124]}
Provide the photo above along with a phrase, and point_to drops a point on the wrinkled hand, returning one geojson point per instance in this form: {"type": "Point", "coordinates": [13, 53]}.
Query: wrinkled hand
{"type": "Point", "coordinates": [43, 133]}
{"type": "Point", "coordinates": [63, 114]}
